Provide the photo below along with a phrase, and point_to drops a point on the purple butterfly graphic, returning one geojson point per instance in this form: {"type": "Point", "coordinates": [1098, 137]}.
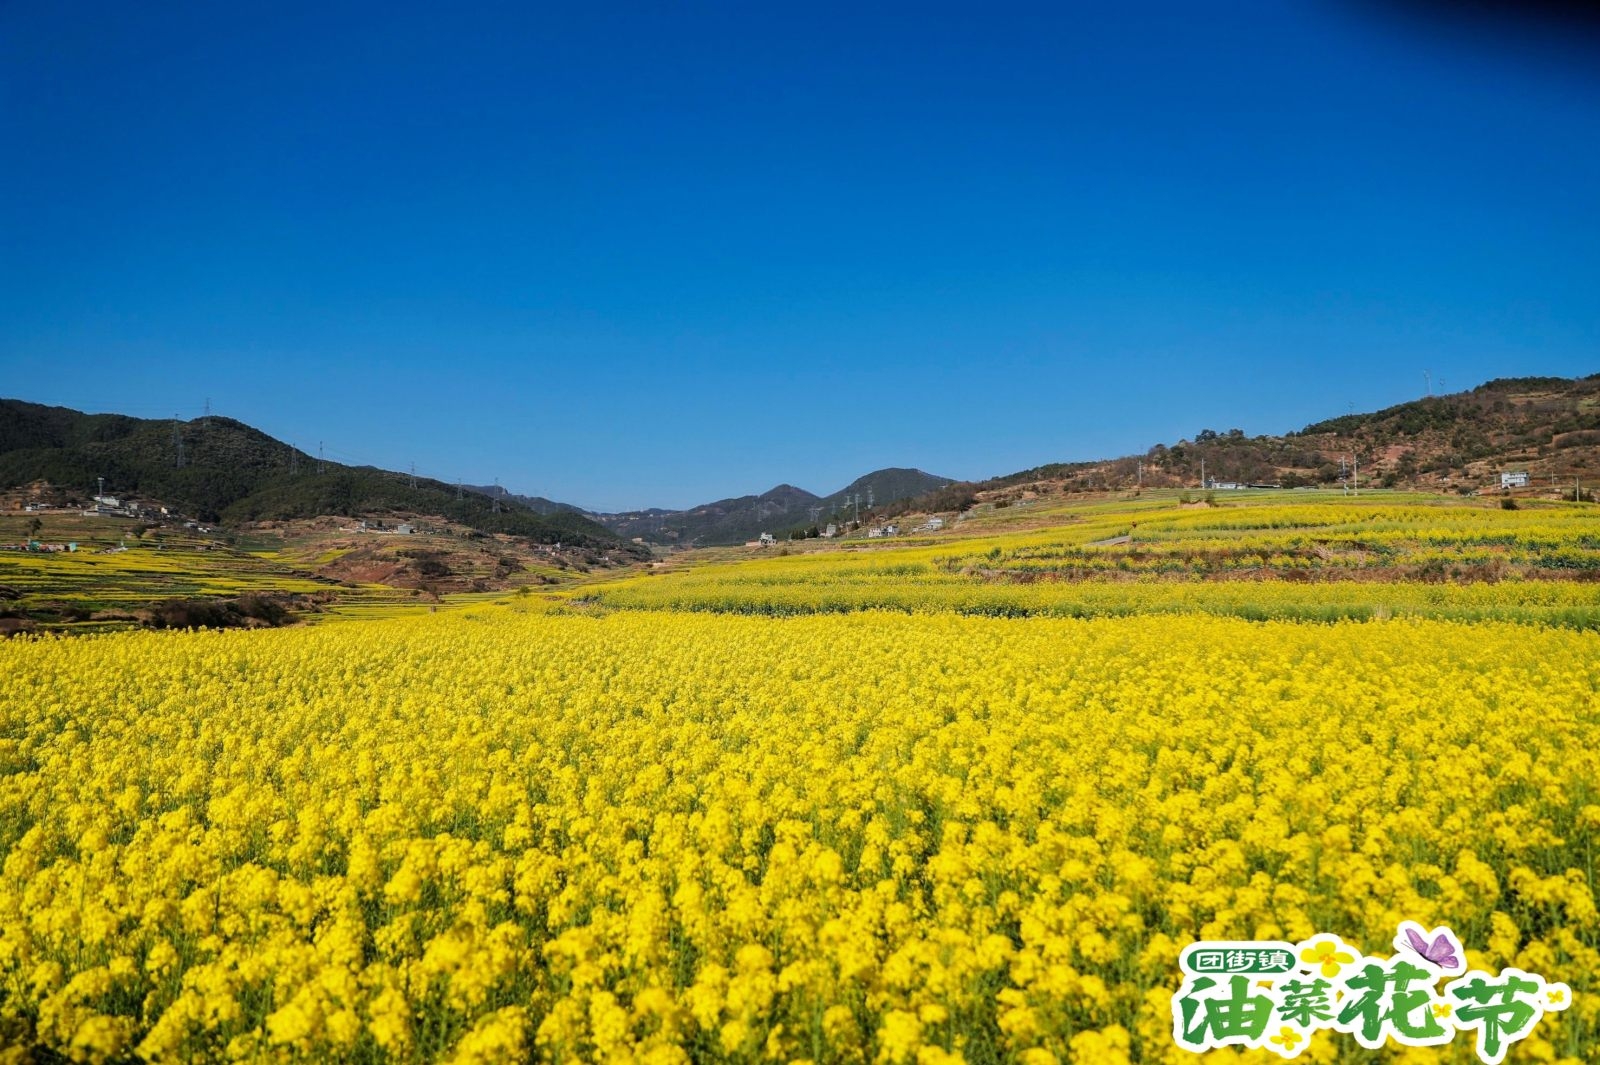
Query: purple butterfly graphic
{"type": "Point", "coordinates": [1441, 951]}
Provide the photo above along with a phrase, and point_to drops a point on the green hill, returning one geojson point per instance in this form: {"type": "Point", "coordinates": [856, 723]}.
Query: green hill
{"type": "Point", "coordinates": [221, 470]}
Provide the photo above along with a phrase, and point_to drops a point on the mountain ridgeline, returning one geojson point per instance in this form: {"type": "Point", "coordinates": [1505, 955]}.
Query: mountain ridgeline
{"type": "Point", "coordinates": [780, 510]}
{"type": "Point", "coordinates": [219, 469]}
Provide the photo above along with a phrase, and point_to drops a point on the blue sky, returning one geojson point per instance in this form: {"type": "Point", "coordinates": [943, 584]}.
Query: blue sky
{"type": "Point", "coordinates": [633, 255]}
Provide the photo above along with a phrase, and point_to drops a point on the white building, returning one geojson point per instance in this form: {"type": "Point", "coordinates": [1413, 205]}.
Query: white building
{"type": "Point", "coordinates": [1514, 480]}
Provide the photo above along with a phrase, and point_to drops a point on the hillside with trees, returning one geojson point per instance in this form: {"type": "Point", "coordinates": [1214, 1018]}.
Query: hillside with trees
{"type": "Point", "coordinates": [221, 470]}
{"type": "Point", "coordinates": [1546, 427]}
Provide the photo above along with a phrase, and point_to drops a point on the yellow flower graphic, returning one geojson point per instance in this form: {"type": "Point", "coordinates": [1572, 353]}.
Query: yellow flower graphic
{"type": "Point", "coordinates": [1442, 1009]}
{"type": "Point", "coordinates": [1287, 1038]}
{"type": "Point", "coordinates": [1328, 956]}
{"type": "Point", "coordinates": [1557, 995]}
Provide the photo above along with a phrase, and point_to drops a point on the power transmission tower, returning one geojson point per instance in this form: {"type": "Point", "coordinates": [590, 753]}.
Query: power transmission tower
{"type": "Point", "coordinates": [495, 506]}
{"type": "Point", "coordinates": [294, 460]}
{"type": "Point", "coordinates": [1427, 381]}
{"type": "Point", "coordinates": [205, 418]}
{"type": "Point", "coordinates": [177, 439]}
{"type": "Point", "coordinates": [319, 457]}
{"type": "Point", "coordinates": [413, 475]}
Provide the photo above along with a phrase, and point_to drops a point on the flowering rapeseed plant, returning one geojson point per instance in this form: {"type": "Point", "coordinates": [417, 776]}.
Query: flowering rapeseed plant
{"type": "Point", "coordinates": [870, 838]}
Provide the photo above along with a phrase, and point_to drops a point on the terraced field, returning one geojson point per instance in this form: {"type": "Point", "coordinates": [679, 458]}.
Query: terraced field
{"type": "Point", "coordinates": [1367, 557]}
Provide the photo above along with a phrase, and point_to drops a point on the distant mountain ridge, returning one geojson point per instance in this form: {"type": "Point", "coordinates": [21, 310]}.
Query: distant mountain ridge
{"type": "Point", "coordinates": [740, 518]}
{"type": "Point", "coordinates": [779, 510]}
{"type": "Point", "coordinates": [219, 469]}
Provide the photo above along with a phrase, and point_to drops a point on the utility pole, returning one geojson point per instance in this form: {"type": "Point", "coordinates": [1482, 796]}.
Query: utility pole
{"type": "Point", "coordinates": [1355, 472]}
{"type": "Point", "coordinates": [1141, 476]}
{"type": "Point", "coordinates": [1202, 474]}
{"type": "Point", "coordinates": [102, 482]}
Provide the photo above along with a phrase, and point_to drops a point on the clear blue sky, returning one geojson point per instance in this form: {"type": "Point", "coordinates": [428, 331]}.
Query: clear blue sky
{"type": "Point", "coordinates": [658, 254]}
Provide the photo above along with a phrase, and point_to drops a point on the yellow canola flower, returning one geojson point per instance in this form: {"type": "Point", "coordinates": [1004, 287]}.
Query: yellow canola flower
{"type": "Point", "coordinates": [1326, 955]}
{"type": "Point", "coordinates": [653, 836]}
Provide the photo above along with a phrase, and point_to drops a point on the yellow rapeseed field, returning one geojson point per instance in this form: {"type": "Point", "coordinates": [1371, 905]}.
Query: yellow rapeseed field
{"type": "Point", "coordinates": [875, 837]}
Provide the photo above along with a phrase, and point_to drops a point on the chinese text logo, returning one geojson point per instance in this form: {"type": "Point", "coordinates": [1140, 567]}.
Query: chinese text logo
{"type": "Point", "coordinates": [1272, 996]}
